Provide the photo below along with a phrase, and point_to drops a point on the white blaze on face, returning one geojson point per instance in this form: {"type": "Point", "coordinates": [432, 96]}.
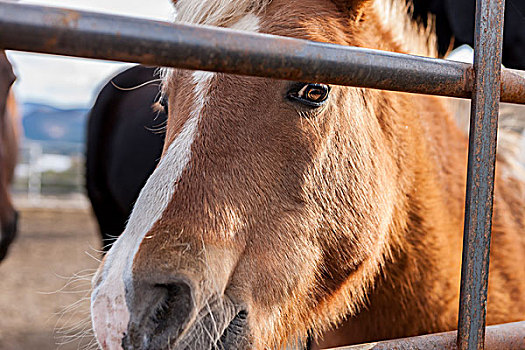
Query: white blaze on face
{"type": "Point", "coordinates": [110, 315]}
{"type": "Point", "coordinates": [109, 312]}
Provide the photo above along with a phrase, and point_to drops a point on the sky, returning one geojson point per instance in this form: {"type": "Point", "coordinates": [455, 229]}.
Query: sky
{"type": "Point", "coordinates": [73, 82]}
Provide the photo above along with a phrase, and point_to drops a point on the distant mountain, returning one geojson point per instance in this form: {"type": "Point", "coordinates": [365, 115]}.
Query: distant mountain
{"type": "Point", "coordinates": [46, 123]}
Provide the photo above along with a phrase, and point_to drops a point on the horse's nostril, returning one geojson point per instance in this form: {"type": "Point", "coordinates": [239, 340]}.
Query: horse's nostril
{"type": "Point", "coordinates": [159, 314]}
{"type": "Point", "coordinates": [175, 308]}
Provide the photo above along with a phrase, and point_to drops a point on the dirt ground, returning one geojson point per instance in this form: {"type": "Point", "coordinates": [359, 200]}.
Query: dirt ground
{"type": "Point", "coordinates": [41, 300]}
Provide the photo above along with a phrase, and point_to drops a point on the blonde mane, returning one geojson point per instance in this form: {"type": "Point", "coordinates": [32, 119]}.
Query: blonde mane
{"type": "Point", "coordinates": [411, 36]}
{"type": "Point", "coordinates": [220, 13]}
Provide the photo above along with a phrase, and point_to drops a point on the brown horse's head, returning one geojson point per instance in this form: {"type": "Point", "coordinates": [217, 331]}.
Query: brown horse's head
{"type": "Point", "coordinates": [273, 207]}
{"type": "Point", "coordinates": [8, 150]}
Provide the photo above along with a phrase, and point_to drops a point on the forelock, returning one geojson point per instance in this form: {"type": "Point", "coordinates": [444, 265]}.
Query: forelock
{"type": "Point", "coordinates": [235, 14]}
{"type": "Point", "coordinates": [221, 13]}
{"type": "Point", "coordinates": [413, 37]}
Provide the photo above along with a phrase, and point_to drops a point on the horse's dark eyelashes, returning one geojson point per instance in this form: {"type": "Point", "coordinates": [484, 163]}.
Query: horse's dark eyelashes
{"type": "Point", "coordinates": [312, 95]}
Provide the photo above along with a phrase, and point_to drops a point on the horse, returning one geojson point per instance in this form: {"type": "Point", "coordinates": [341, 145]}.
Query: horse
{"type": "Point", "coordinates": [124, 144]}
{"type": "Point", "coordinates": [290, 214]}
{"type": "Point", "coordinates": [454, 21]}
{"type": "Point", "coordinates": [8, 154]}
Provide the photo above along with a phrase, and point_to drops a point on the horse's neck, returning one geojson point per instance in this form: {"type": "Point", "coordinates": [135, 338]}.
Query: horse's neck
{"type": "Point", "coordinates": [418, 291]}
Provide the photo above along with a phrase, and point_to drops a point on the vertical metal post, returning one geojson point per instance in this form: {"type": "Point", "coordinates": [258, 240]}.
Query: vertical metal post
{"type": "Point", "coordinates": [34, 177]}
{"type": "Point", "coordinates": [480, 174]}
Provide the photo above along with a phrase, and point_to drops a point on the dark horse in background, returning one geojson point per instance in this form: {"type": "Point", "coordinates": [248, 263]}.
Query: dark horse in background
{"type": "Point", "coordinates": [124, 143]}
{"type": "Point", "coordinates": [455, 19]}
{"type": "Point", "coordinates": [8, 154]}
{"type": "Point", "coordinates": [122, 151]}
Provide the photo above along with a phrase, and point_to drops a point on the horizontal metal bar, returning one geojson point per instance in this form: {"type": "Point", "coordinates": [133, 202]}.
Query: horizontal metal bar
{"type": "Point", "coordinates": [84, 34]}
{"type": "Point", "coordinates": [510, 336]}
{"type": "Point", "coordinates": [480, 175]}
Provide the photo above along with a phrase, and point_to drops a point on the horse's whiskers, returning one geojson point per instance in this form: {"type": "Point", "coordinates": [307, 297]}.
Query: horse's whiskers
{"type": "Point", "coordinates": [136, 87]}
{"type": "Point", "coordinates": [73, 323]}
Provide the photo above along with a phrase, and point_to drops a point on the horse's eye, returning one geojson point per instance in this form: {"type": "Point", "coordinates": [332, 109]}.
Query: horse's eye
{"type": "Point", "coordinates": [164, 103]}
{"type": "Point", "coordinates": [313, 95]}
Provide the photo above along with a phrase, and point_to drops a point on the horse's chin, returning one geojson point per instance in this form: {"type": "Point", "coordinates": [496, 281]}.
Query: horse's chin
{"type": "Point", "coordinates": [235, 335]}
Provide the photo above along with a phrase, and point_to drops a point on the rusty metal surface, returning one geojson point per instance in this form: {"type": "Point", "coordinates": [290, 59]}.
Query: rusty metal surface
{"type": "Point", "coordinates": [480, 175]}
{"type": "Point", "coordinates": [100, 36]}
{"type": "Point", "coordinates": [510, 336]}
{"type": "Point", "coordinates": [512, 85]}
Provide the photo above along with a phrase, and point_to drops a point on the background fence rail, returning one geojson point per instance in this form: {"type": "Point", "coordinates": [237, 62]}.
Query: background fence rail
{"type": "Point", "coordinates": [510, 336]}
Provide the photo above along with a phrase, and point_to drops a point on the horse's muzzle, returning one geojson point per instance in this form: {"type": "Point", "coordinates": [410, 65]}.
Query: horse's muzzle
{"type": "Point", "coordinates": [166, 317]}
{"type": "Point", "coordinates": [7, 235]}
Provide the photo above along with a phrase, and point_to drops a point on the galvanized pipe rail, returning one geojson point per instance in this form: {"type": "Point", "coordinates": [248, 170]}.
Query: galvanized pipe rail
{"type": "Point", "coordinates": [84, 34]}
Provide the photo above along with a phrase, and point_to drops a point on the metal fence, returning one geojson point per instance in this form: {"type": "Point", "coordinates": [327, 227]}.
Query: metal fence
{"type": "Point", "coordinates": [90, 35]}
{"type": "Point", "coordinates": [44, 171]}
